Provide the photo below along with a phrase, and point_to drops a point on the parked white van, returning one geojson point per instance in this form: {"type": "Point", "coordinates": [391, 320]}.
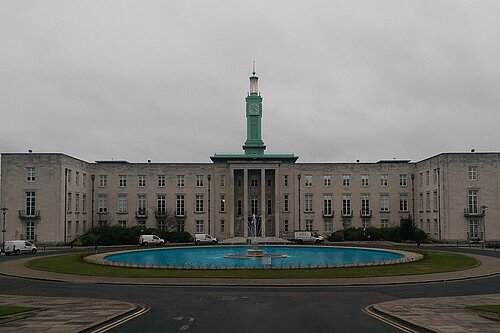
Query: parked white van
{"type": "Point", "coordinates": [19, 246]}
{"type": "Point", "coordinates": [145, 240]}
{"type": "Point", "coordinates": [204, 239]}
{"type": "Point", "coordinates": [308, 237]}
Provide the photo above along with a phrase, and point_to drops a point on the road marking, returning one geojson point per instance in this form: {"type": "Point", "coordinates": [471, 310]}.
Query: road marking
{"type": "Point", "coordinates": [142, 310]}
{"type": "Point", "coordinates": [185, 327]}
{"type": "Point", "coordinates": [368, 310]}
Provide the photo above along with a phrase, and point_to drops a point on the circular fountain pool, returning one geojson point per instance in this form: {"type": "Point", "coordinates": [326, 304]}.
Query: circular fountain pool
{"type": "Point", "coordinates": [234, 257]}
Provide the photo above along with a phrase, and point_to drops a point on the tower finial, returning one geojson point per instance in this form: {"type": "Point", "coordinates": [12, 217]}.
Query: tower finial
{"type": "Point", "coordinates": [253, 68]}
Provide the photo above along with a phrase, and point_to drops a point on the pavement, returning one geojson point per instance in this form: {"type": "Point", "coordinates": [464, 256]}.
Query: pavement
{"type": "Point", "coordinates": [444, 314]}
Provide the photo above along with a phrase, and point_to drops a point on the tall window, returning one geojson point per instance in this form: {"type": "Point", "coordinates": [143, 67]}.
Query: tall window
{"type": "Point", "coordinates": [141, 181]}
{"type": "Point", "coordinates": [103, 180]}
{"type": "Point", "coordinates": [346, 180]}
{"type": "Point", "coordinates": [365, 205]}
{"type": "Point", "coordinates": [428, 201]}
{"type": "Point", "coordinates": [198, 207]}
{"type": "Point", "coordinates": [473, 201]}
{"type": "Point", "coordinates": [384, 180]}
{"type": "Point", "coordinates": [239, 207]}
{"type": "Point", "coordinates": [269, 206]}
{"type": "Point", "coordinates": [84, 180]}
{"type": "Point", "coordinates": [122, 180]}
{"type": "Point", "coordinates": [222, 226]}
{"type": "Point", "coordinates": [421, 202]}
{"type": "Point", "coordinates": [30, 174]}
{"type": "Point", "coordinates": [474, 229]}
{"type": "Point", "coordinates": [366, 223]}
{"type": "Point", "coordinates": [473, 172]}
{"type": "Point", "coordinates": [254, 182]}
{"type": "Point", "coordinates": [199, 226]}
{"type": "Point", "coordinates": [30, 203]}
{"type": "Point", "coordinates": [222, 180]}
{"type": "Point", "coordinates": [141, 205]}
{"type": "Point", "coordinates": [309, 225]}
{"type": "Point", "coordinates": [436, 203]}
{"type": "Point", "coordinates": [180, 180]}
{"type": "Point", "coordinates": [327, 205]}
{"type": "Point", "coordinates": [161, 204]}
{"type": "Point", "coordinates": [199, 180]}
{"type": "Point", "coordinates": [285, 180]}
{"type": "Point", "coordinates": [102, 203]}
{"type": "Point", "coordinates": [403, 203]}
{"type": "Point", "coordinates": [254, 205]}
{"type": "Point", "coordinates": [346, 205]}
{"type": "Point", "coordinates": [161, 181]}
{"type": "Point", "coordinates": [68, 173]}
{"type": "Point", "coordinates": [179, 205]}
{"type": "Point", "coordinates": [328, 225]}
{"type": "Point", "coordinates": [436, 175]}
{"type": "Point", "coordinates": [84, 203]}
{"type": "Point", "coordinates": [77, 202]}
{"type": "Point", "coordinates": [285, 226]}
{"type": "Point", "coordinates": [30, 231]}
{"type": "Point", "coordinates": [122, 203]}
{"type": "Point", "coordinates": [308, 179]}
{"type": "Point", "coordinates": [365, 180]}
{"type": "Point", "coordinates": [384, 202]}
{"type": "Point", "coordinates": [327, 180]}
{"type": "Point", "coordinates": [285, 203]}
{"type": "Point", "coordinates": [308, 203]}
{"type": "Point", "coordinates": [403, 180]}
{"type": "Point", "coordinates": [77, 177]}
{"type": "Point", "coordinates": [384, 223]}
{"type": "Point", "coordinates": [427, 177]}
{"type": "Point", "coordinates": [222, 203]}
{"type": "Point", "coordinates": [69, 202]}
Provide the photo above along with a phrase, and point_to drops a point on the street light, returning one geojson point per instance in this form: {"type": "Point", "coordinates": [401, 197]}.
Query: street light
{"type": "Point", "coordinates": [4, 210]}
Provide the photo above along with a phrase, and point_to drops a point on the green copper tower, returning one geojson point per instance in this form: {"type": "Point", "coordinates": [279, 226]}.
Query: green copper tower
{"type": "Point", "coordinates": [254, 146]}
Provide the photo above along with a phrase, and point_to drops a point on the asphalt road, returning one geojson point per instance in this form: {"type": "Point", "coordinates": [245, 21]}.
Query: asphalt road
{"type": "Point", "coordinates": [254, 309]}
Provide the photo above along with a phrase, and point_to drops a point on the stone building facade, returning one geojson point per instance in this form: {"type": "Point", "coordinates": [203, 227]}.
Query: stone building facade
{"type": "Point", "coordinates": [53, 198]}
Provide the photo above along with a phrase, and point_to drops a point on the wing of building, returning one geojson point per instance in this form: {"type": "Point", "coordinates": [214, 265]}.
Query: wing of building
{"type": "Point", "coordinates": [53, 198]}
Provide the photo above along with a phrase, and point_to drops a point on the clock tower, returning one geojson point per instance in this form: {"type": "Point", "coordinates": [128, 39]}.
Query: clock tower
{"type": "Point", "coordinates": [254, 144]}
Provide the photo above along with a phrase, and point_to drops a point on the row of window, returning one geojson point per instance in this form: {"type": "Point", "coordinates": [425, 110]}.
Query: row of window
{"type": "Point", "coordinates": [161, 180]}
{"type": "Point", "coordinates": [69, 203]}
{"type": "Point", "coordinates": [329, 227]}
{"type": "Point", "coordinates": [346, 180]}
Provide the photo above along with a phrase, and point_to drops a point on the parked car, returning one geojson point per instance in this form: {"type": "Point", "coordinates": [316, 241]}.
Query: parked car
{"type": "Point", "coordinates": [145, 240]}
{"type": "Point", "coordinates": [19, 246]}
{"type": "Point", "coordinates": [308, 237]}
{"type": "Point", "coordinates": [204, 239]}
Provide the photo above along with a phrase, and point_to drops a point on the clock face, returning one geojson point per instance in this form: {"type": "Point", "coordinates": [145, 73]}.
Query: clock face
{"type": "Point", "coordinates": [253, 109]}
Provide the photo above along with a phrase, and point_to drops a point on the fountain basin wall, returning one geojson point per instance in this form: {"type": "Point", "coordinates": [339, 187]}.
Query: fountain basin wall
{"type": "Point", "coordinates": [214, 257]}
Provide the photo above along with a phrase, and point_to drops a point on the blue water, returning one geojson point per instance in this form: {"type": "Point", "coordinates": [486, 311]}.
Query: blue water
{"type": "Point", "coordinates": [213, 257]}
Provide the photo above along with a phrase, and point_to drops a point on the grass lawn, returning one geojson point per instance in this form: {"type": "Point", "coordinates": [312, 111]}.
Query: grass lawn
{"type": "Point", "coordinates": [8, 310]}
{"type": "Point", "coordinates": [433, 262]}
{"type": "Point", "coordinates": [487, 308]}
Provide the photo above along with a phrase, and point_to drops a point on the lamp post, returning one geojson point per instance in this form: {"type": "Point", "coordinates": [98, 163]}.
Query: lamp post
{"type": "Point", "coordinates": [4, 210]}
{"type": "Point", "coordinates": [299, 177]}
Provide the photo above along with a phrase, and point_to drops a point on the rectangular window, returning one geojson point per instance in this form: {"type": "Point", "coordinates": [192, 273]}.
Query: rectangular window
{"type": "Point", "coordinates": [69, 203]}
{"type": "Point", "coordinates": [122, 203]}
{"type": "Point", "coordinates": [30, 231]}
{"type": "Point", "coordinates": [238, 181]}
{"type": "Point", "coordinates": [179, 205]}
{"type": "Point", "coordinates": [421, 178]}
{"type": "Point", "coordinates": [122, 180]}
{"type": "Point", "coordinates": [346, 205]}
{"type": "Point", "coordinates": [222, 180]}
{"type": "Point", "coordinates": [328, 225]}
{"type": "Point", "coordinates": [199, 180]}
{"type": "Point", "coordinates": [473, 202]}
{"type": "Point", "coordinates": [366, 223]}
{"type": "Point", "coordinates": [308, 203]}
{"type": "Point", "coordinates": [384, 180]}
{"type": "Point", "coordinates": [428, 201]}
{"type": "Point", "coordinates": [421, 202]}
{"type": "Point", "coordinates": [346, 180]}
{"type": "Point", "coordinates": [161, 181]}
{"type": "Point", "coordinates": [427, 177]}
{"type": "Point", "coordinates": [285, 180]}
{"type": "Point", "coordinates": [141, 205]}
{"type": "Point", "coordinates": [327, 180]}
{"type": "Point", "coordinates": [68, 174]}
{"type": "Point", "coordinates": [84, 203]}
{"type": "Point", "coordinates": [285, 203]}
{"type": "Point", "coordinates": [308, 180]}
{"type": "Point", "coordinates": [365, 205]}
{"type": "Point", "coordinates": [30, 203]}
{"type": "Point", "coordinates": [30, 174]}
{"type": "Point", "coordinates": [180, 180]}
{"type": "Point", "coordinates": [327, 205]}
{"type": "Point", "coordinates": [77, 178]}
{"type": "Point", "coordinates": [222, 203]}
{"type": "Point", "coordinates": [384, 223]}
{"type": "Point", "coordinates": [285, 226]}
{"type": "Point", "coordinates": [122, 223]}
{"type": "Point", "coordinates": [254, 205]}
{"type": "Point", "coordinates": [269, 206]}
{"type": "Point", "coordinates": [428, 226]}
{"type": "Point", "coordinates": [254, 182]}
{"type": "Point", "coordinates": [436, 227]}
{"type": "Point", "coordinates": [103, 180]}
{"type": "Point", "coordinates": [269, 182]}
{"type": "Point", "coordinates": [474, 229]}
{"type": "Point", "coordinates": [84, 180]}
{"type": "Point", "coordinates": [472, 172]}
{"type": "Point", "coordinates": [222, 226]}
{"type": "Point", "coordinates": [77, 202]}
{"type": "Point", "coordinates": [199, 226]}
{"type": "Point", "coordinates": [403, 203]}
{"type": "Point", "coordinates": [436, 203]}
{"type": "Point", "coordinates": [384, 202]}
{"type": "Point", "coordinates": [141, 180]}
{"type": "Point", "coordinates": [309, 225]}
{"type": "Point", "coordinates": [198, 203]}
{"type": "Point", "coordinates": [365, 180]}
{"type": "Point", "coordinates": [403, 180]}
{"type": "Point", "coordinates": [239, 207]}
{"type": "Point", "coordinates": [161, 204]}
{"type": "Point", "coordinates": [102, 203]}
{"type": "Point", "coordinates": [161, 224]}
{"type": "Point", "coordinates": [436, 175]}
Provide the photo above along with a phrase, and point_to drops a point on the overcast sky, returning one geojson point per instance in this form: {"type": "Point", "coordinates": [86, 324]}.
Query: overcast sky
{"type": "Point", "coordinates": [167, 80]}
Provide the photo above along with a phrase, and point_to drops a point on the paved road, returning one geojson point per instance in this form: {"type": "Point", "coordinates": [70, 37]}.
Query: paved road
{"type": "Point", "coordinates": [254, 309]}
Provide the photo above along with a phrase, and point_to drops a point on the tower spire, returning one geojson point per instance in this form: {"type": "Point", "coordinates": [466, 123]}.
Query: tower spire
{"type": "Point", "coordinates": [253, 68]}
